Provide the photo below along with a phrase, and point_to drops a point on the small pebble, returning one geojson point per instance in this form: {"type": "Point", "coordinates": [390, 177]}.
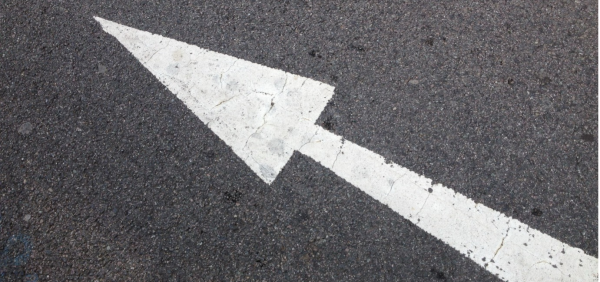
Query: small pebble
{"type": "Point", "coordinates": [101, 68]}
{"type": "Point", "coordinates": [25, 128]}
{"type": "Point", "coordinates": [413, 82]}
{"type": "Point", "coordinates": [27, 217]}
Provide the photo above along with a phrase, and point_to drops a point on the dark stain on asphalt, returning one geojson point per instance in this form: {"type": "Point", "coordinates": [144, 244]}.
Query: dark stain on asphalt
{"type": "Point", "coordinates": [328, 123]}
{"type": "Point", "coordinates": [357, 48]}
{"type": "Point", "coordinates": [302, 216]}
{"type": "Point", "coordinates": [438, 274]}
{"type": "Point", "coordinates": [334, 78]}
{"type": "Point", "coordinates": [260, 263]}
{"type": "Point", "coordinates": [232, 197]}
{"type": "Point", "coordinates": [429, 41]}
{"type": "Point", "coordinates": [315, 53]}
{"type": "Point", "coordinates": [545, 81]}
{"type": "Point", "coordinates": [536, 212]}
{"type": "Point", "coordinates": [587, 137]}
{"type": "Point", "coordinates": [209, 154]}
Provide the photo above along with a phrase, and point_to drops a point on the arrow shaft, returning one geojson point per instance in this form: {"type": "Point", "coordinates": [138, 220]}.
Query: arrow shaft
{"type": "Point", "coordinates": [504, 246]}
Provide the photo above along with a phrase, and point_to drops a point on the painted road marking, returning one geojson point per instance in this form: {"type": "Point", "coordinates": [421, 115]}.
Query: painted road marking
{"type": "Point", "coordinates": [265, 115]}
{"type": "Point", "coordinates": [245, 104]}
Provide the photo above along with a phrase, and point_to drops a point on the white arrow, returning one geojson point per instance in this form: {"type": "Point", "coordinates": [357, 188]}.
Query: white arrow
{"type": "Point", "coordinates": [265, 115]}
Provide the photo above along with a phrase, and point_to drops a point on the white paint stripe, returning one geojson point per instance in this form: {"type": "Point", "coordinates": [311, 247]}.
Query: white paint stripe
{"type": "Point", "coordinates": [265, 114]}
{"type": "Point", "coordinates": [502, 245]}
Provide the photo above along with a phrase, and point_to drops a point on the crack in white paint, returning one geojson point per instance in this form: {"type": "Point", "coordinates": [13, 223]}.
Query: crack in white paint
{"type": "Point", "coordinates": [158, 50]}
{"type": "Point", "coordinates": [310, 140]}
{"type": "Point", "coordinates": [424, 203]}
{"type": "Point", "coordinates": [500, 247]}
{"type": "Point", "coordinates": [261, 126]}
{"type": "Point", "coordinates": [302, 85]}
{"type": "Point", "coordinates": [493, 222]}
{"type": "Point", "coordinates": [268, 111]}
{"type": "Point", "coordinates": [556, 269]}
{"type": "Point", "coordinates": [265, 115]}
{"type": "Point", "coordinates": [337, 155]}
{"type": "Point", "coordinates": [285, 84]}
{"type": "Point", "coordinates": [226, 100]}
{"type": "Point", "coordinates": [228, 69]}
{"type": "Point", "coordinates": [394, 183]}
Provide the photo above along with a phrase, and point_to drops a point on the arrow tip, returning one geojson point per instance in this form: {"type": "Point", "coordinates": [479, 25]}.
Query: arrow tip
{"type": "Point", "coordinates": [263, 114]}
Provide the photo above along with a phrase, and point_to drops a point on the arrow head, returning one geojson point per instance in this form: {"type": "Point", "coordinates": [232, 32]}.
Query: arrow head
{"type": "Point", "coordinates": [262, 113]}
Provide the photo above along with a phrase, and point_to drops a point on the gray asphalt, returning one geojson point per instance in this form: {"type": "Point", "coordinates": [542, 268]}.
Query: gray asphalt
{"type": "Point", "coordinates": [106, 176]}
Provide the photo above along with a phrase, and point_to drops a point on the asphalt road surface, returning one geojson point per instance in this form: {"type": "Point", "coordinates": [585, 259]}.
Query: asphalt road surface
{"type": "Point", "coordinates": [106, 176]}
